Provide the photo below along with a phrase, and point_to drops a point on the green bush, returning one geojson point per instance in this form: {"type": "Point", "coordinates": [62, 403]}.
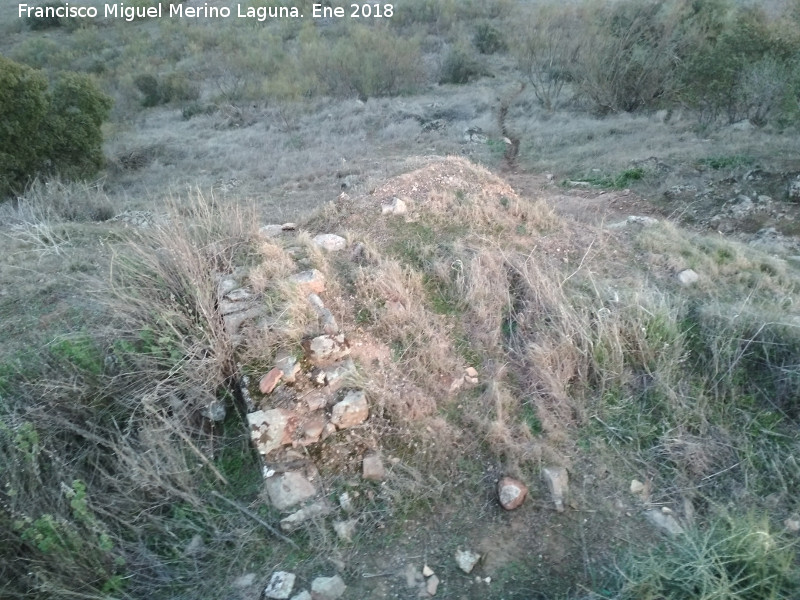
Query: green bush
{"type": "Point", "coordinates": [488, 39]}
{"type": "Point", "coordinates": [23, 111]}
{"type": "Point", "coordinates": [366, 61]}
{"type": "Point", "coordinates": [48, 131]}
{"type": "Point", "coordinates": [37, 23]}
{"type": "Point", "coordinates": [736, 559]}
{"type": "Point", "coordinates": [460, 66]}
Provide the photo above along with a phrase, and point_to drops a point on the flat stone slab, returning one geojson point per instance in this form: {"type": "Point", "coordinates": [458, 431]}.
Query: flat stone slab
{"type": "Point", "coordinates": [351, 411]}
{"type": "Point", "coordinates": [271, 429]}
{"type": "Point", "coordinates": [289, 489]}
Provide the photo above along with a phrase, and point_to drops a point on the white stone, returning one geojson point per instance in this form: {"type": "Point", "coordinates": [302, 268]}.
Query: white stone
{"type": "Point", "coordinates": [557, 480]}
{"type": "Point", "coordinates": [394, 207]}
{"type": "Point", "coordinates": [330, 242]}
{"type": "Point", "coordinates": [280, 585]}
{"type": "Point", "coordinates": [466, 560]}
{"type": "Point", "coordinates": [637, 487]}
{"type": "Point", "coordinates": [345, 530]}
{"type": "Point", "coordinates": [245, 580]}
{"type": "Point", "coordinates": [327, 588]}
{"type": "Point", "coordinates": [307, 513]}
{"type": "Point", "coordinates": [271, 429]}
{"type": "Point", "coordinates": [326, 347]}
{"type": "Point", "coordinates": [351, 411]}
{"type": "Point", "coordinates": [270, 231]}
{"type": "Point", "coordinates": [665, 522]}
{"type": "Point", "coordinates": [309, 281]}
{"type": "Point", "coordinates": [511, 493]}
{"type": "Point", "coordinates": [346, 502]}
{"type": "Point", "coordinates": [289, 489]}
{"type": "Point", "coordinates": [688, 277]}
{"type": "Point", "coordinates": [373, 469]}
{"type": "Point", "coordinates": [432, 585]}
{"type": "Point", "coordinates": [427, 571]}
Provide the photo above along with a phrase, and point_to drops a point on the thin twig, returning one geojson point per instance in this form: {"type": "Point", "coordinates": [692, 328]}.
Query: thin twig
{"type": "Point", "coordinates": [246, 511]}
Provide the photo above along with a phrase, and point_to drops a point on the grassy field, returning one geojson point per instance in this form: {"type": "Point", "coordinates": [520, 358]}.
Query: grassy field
{"type": "Point", "coordinates": [520, 160]}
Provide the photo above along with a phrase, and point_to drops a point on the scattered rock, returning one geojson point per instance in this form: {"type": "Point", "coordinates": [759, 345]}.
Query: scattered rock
{"type": "Point", "coordinates": [512, 493]}
{"type": "Point", "coordinates": [304, 595]}
{"type": "Point", "coordinates": [270, 231]}
{"type": "Point", "coordinates": [326, 347]}
{"type": "Point", "coordinates": [427, 571]}
{"type": "Point", "coordinates": [345, 530]}
{"type": "Point", "coordinates": [309, 281]}
{"type": "Point", "coordinates": [226, 285]}
{"type": "Point", "coordinates": [394, 207]}
{"type": "Point", "coordinates": [688, 277]}
{"type": "Point", "coordinates": [229, 307]}
{"type": "Point", "coordinates": [346, 502]}
{"type": "Point", "coordinates": [312, 429]}
{"type": "Point", "coordinates": [792, 524]}
{"type": "Point", "coordinates": [743, 125]}
{"type": "Point", "coordinates": [270, 380]}
{"type": "Point", "coordinates": [288, 489]}
{"type": "Point", "coordinates": [456, 385]}
{"type": "Point", "coordinates": [373, 468]}
{"type": "Point", "coordinates": [271, 429]}
{"type": "Point", "coordinates": [413, 576]}
{"type": "Point", "coordinates": [466, 560]}
{"type": "Point", "coordinates": [471, 372]}
{"type": "Point", "coordinates": [637, 487]}
{"type": "Point", "coordinates": [641, 221]}
{"type": "Point", "coordinates": [557, 480]}
{"type": "Point", "coordinates": [326, 319]}
{"type": "Point", "coordinates": [214, 411]}
{"type": "Point", "coordinates": [327, 588]}
{"type": "Point", "coordinates": [195, 546]}
{"type": "Point", "coordinates": [329, 430]}
{"type": "Point", "coordinates": [336, 373]}
{"type": "Point", "coordinates": [351, 411]}
{"type": "Point", "coordinates": [245, 580]}
{"type": "Point", "coordinates": [235, 320]}
{"type": "Point", "coordinates": [239, 295]}
{"type": "Point", "coordinates": [794, 189]}
{"type": "Point", "coordinates": [330, 242]}
{"type": "Point", "coordinates": [432, 585]}
{"type": "Point", "coordinates": [665, 522]}
{"type": "Point", "coordinates": [313, 511]}
{"type": "Point", "coordinates": [475, 135]}
{"type": "Point", "coordinates": [280, 585]}
{"type": "Point", "coordinates": [288, 365]}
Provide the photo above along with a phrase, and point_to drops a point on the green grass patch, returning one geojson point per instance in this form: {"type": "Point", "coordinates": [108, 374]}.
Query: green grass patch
{"type": "Point", "coordinates": [618, 181]}
{"type": "Point", "coordinates": [726, 162]}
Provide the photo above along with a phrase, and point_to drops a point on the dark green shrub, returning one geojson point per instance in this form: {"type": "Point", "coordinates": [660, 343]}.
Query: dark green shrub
{"type": "Point", "coordinates": [365, 61]}
{"type": "Point", "coordinates": [45, 22]}
{"type": "Point", "coordinates": [147, 85]}
{"type": "Point", "coordinates": [170, 88]}
{"type": "Point", "coordinates": [23, 110]}
{"type": "Point", "coordinates": [460, 66]}
{"type": "Point", "coordinates": [48, 131]}
{"type": "Point", "coordinates": [488, 39]}
{"type": "Point", "coordinates": [77, 112]}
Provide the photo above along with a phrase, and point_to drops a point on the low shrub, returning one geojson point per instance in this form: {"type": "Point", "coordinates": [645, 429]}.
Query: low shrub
{"type": "Point", "coordinates": [488, 39]}
{"type": "Point", "coordinates": [460, 66]}
{"type": "Point", "coordinates": [735, 558]}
